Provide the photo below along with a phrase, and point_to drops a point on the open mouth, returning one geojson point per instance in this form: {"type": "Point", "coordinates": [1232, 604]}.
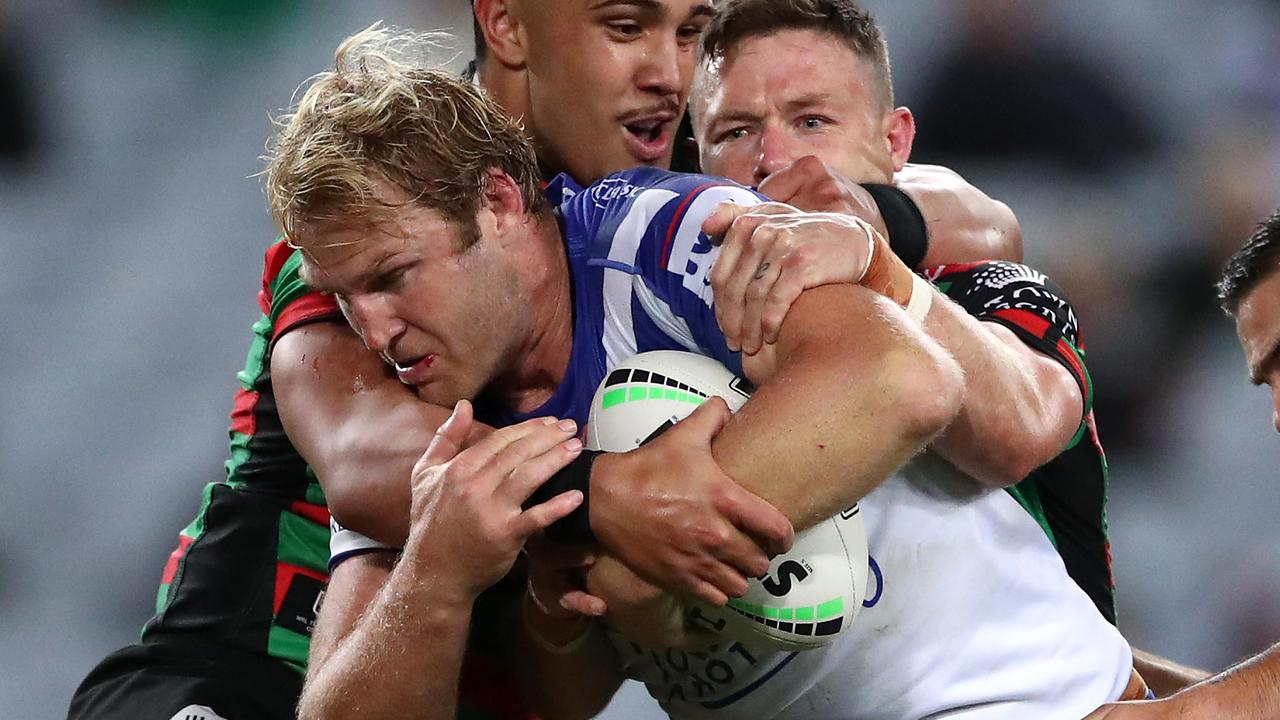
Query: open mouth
{"type": "Point", "coordinates": [412, 371]}
{"type": "Point", "coordinates": [648, 139]}
{"type": "Point", "coordinates": [648, 131]}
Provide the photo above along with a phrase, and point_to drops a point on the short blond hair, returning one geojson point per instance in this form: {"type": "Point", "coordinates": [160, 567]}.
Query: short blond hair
{"type": "Point", "coordinates": [383, 117]}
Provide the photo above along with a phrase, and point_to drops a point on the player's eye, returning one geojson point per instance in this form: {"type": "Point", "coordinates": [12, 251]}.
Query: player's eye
{"type": "Point", "coordinates": [732, 134]}
{"type": "Point", "coordinates": [814, 122]}
{"type": "Point", "coordinates": [391, 280]}
{"type": "Point", "coordinates": [689, 33]}
{"type": "Point", "coordinates": [625, 29]}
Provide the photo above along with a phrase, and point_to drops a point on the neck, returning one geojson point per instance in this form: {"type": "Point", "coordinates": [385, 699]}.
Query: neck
{"type": "Point", "coordinates": [545, 356]}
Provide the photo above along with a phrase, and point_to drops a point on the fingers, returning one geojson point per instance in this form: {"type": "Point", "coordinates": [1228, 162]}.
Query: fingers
{"type": "Point", "coordinates": [449, 437]}
{"type": "Point", "coordinates": [704, 423]}
{"type": "Point", "coordinates": [527, 463]}
{"type": "Point", "coordinates": [720, 219]}
{"type": "Point", "coordinates": [708, 593]}
{"type": "Point", "coordinates": [764, 523]}
{"type": "Point", "coordinates": [725, 581]}
{"type": "Point", "coordinates": [789, 182]}
{"type": "Point", "coordinates": [757, 293]}
{"type": "Point", "coordinates": [584, 603]}
{"type": "Point", "coordinates": [544, 514]}
{"type": "Point", "coordinates": [781, 296]}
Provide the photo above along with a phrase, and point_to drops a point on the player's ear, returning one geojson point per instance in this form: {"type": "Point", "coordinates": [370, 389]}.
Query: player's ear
{"type": "Point", "coordinates": [900, 131]}
{"type": "Point", "coordinates": [504, 31]}
{"type": "Point", "coordinates": [502, 197]}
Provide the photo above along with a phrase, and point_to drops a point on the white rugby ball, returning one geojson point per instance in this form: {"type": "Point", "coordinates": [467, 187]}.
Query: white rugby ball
{"type": "Point", "coordinates": [810, 594]}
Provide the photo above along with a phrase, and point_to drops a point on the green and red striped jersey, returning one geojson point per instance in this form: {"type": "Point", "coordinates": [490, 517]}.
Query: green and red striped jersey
{"type": "Point", "coordinates": [1067, 495]}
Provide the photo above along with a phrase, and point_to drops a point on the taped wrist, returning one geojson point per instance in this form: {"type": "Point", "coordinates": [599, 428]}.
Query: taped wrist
{"type": "Point", "coordinates": [907, 230]}
{"type": "Point", "coordinates": [886, 273]}
{"type": "Point", "coordinates": [574, 528]}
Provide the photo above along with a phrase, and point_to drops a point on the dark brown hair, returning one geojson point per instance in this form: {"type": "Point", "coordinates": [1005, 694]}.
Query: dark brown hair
{"type": "Point", "coordinates": [739, 20]}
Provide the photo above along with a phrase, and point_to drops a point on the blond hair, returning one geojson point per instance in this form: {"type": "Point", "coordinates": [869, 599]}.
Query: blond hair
{"type": "Point", "coordinates": [384, 117]}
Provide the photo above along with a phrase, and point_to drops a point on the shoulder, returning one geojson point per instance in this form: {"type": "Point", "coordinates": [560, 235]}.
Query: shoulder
{"type": "Point", "coordinates": [998, 289]}
{"type": "Point", "coordinates": [658, 210]}
{"type": "Point", "coordinates": [285, 300]}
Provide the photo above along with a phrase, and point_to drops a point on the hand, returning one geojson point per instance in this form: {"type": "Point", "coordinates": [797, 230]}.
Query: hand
{"type": "Point", "coordinates": [695, 531]}
{"type": "Point", "coordinates": [811, 185]}
{"type": "Point", "coordinates": [466, 520]}
{"type": "Point", "coordinates": [641, 612]}
{"type": "Point", "coordinates": [770, 254]}
{"type": "Point", "coordinates": [557, 580]}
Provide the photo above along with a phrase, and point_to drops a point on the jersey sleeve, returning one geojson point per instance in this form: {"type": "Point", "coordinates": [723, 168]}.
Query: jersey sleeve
{"type": "Point", "coordinates": [285, 300]}
{"type": "Point", "coordinates": [1026, 302]}
{"type": "Point", "coordinates": [345, 544]}
{"type": "Point", "coordinates": [673, 265]}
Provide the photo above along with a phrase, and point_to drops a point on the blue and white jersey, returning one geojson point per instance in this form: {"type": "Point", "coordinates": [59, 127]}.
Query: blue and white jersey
{"type": "Point", "coordinates": [641, 276]}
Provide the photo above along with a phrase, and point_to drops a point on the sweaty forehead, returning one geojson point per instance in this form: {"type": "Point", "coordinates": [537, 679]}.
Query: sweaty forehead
{"type": "Point", "coordinates": [784, 67]}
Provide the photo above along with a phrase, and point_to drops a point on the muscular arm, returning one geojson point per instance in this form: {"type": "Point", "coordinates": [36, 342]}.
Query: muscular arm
{"type": "Point", "coordinates": [1249, 691]}
{"type": "Point", "coordinates": [1021, 408]}
{"type": "Point", "coordinates": [849, 393]}
{"type": "Point", "coordinates": [1165, 677]}
{"type": "Point", "coordinates": [964, 223]}
{"type": "Point", "coordinates": [366, 658]}
{"type": "Point", "coordinates": [358, 427]}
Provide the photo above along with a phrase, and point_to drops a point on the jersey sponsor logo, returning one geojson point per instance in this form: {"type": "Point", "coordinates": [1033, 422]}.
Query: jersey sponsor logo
{"type": "Point", "coordinates": [196, 712]}
{"type": "Point", "coordinates": [301, 603]}
{"type": "Point", "coordinates": [612, 189]}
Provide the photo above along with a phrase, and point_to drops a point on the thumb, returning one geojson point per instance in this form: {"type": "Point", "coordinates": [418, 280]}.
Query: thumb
{"type": "Point", "coordinates": [721, 219]}
{"type": "Point", "coordinates": [449, 437]}
{"type": "Point", "coordinates": [783, 185]}
{"type": "Point", "coordinates": [705, 422]}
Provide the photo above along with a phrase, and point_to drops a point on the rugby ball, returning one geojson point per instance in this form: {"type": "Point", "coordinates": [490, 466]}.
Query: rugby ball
{"type": "Point", "coordinates": [810, 594]}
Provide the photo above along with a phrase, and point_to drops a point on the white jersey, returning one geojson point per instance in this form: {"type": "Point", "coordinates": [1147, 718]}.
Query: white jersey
{"type": "Point", "coordinates": [970, 614]}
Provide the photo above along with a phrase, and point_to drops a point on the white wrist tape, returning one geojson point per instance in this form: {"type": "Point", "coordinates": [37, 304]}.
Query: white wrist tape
{"type": "Point", "coordinates": [871, 253]}
{"type": "Point", "coordinates": [921, 298]}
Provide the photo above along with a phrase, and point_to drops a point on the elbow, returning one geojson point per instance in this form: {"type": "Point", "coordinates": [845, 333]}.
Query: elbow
{"type": "Point", "coordinates": [935, 391]}
{"type": "Point", "coordinates": [1008, 232]}
{"type": "Point", "coordinates": [1020, 450]}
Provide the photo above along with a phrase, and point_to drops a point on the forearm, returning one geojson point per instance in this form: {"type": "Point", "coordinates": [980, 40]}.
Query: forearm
{"type": "Point", "coordinates": [357, 426]}
{"type": "Point", "coordinates": [1250, 691]}
{"type": "Point", "coordinates": [840, 405]}
{"type": "Point", "coordinates": [1164, 676]}
{"type": "Point", "coordinates": [578, 678]}
{"type": "Point", "coordinates": [964, 224]}
{"type": "Point", "coordinates": [1020, 408]}
{"type": "Point", "coordinates": [399, 656]}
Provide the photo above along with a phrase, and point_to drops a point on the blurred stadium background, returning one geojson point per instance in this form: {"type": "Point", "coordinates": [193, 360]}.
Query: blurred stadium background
{"type": "Point", "coordinates": [1137, 141]}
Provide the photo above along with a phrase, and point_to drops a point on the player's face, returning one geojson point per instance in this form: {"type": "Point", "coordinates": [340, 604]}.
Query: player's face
{"type": "Point", "coordinates": [781, 97]}
{"type": "Point", "coordinates": [448, 320]}
{"type": "Point", "coordinates": [608, 80]}
{"type": "Point", "coordinates": [1258, 325]}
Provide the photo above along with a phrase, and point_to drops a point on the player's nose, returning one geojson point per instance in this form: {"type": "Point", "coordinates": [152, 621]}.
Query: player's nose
{"type": "Point", "coordinates": [661, 69]}
{"type": "Point", "coordinates": [376, 320]}
{"type": "Point", "coordinates": [775, 153]}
